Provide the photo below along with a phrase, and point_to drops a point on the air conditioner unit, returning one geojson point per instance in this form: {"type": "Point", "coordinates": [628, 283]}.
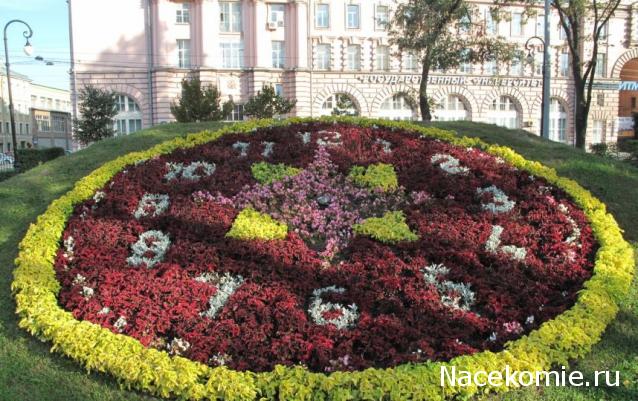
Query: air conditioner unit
{"type": "Point", "coordinates": [272, 26]}
{"type": "Point", "coordinates": [528, 124]}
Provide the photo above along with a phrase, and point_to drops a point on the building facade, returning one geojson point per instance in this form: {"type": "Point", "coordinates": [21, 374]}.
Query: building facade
{"type": "Point", "coordinates": [42, 114]}
{"type": "Point", "coordinates": [51, 116]}
{"type": "Point", "coordinates": [332, 52]}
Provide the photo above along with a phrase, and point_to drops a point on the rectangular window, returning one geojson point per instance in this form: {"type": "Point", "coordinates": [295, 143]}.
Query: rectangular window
{"type": "Point", "coordinates": [465, 67]}
{"type": "Point", "coordinates": [232, 54]}
{"type": "Point", "coordinates": [58, 123]}
{"type": "Point", "coordinates": [491, 68]}
{"type": "Point", "coordinates": [382, 58]}
{"type": "Point", "coordinates": [516, 66]}
{"type": "Point", "coordinates": [598, 131]}
{"type": "Point", "coordinates": [562, 34]}
{"type": "Point", "coordinates": [279, 90]}
{"type": "Point", "coordinates": [516, 28]}
{"type": "Point", "coordinates": [464, 25]}
{"type": "Point", "coordinates": [354, 57]}
{"type": "Point", "coordinates": [538, 63]}
{"type": "Point", "coordinates": [134, 125]}
{"type": "Point", "coordinates": [564, 64]}
{"type": "Point", "coordinates": [28, 129]}
{"type": "Point", "coordinates": [491, 26]}
{"type": "Point", "coordinates": [183, 13]}
{"type": "Point", "coordinates": [23, 144]}
{"type": "Point", "coordinates": [278, 54]}
{"type": "Point", "coordinates": [20, 129]}
{"type": "Point", "coordinates": [183, 53]}
{"type": "Point", "coordinates": [352, 16]}
{"type": "Point", "coordinates": [381, 18]}
{"type": "Point", "coordinates": [601, 65]}
{"type": "Point", "coordinates": [633, 102]}
{"type": "Point", "coordinates": [277, 13]}
{"type": "Point", "coordinates": [230, 16]}
{"type": "Point", "coordinates": [322, 16]}
{"type": "Point", "coordinates": [237, 114]}
{"type": "Point", "coordinates": [411, 62]}
{"type": "Point", "coordinates": [540, 25]}
{"type": "Point", "coordinates": [323, 56]}
{"type": "Point", "coordinates": [604, 31]}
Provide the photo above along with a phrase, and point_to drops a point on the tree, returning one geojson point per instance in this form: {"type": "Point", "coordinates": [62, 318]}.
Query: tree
{"type": "Point", "coordinates": [97, 109]}
{"type": "Point", "coordinates": [344, 106]}
{"type": "Point", "coordinates": [443, 34]}
{"type": "Point", "coordinates": [584, 23]}
{"type": "Point", "coordinates": [199, 103]}
{"type": "Point", "coordinates": [268, 104]}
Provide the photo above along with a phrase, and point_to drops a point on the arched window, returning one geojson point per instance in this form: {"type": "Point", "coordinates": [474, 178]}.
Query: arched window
{"type": "Point", "coordinates": [504, 112]}
{"type": "Point", "coordinates": [129, 116]}
{"type": "Point", "coordinates": [557, 121]}
{"type": "Point", "coordinates": [339, 104]}
{"type": "Point", "coordinates": [452, 108]}
{"type": "Point", "coordinates": [397, 107]}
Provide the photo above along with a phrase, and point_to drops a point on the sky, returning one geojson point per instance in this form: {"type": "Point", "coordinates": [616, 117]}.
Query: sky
{"type": "Point", "coordinates": [50, 24]}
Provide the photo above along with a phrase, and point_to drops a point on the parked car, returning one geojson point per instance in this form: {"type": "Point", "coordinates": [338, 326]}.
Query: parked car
{"type": "Point", "coordinates": [6, 159]}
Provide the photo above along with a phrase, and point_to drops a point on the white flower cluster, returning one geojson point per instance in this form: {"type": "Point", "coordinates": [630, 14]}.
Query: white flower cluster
{"type": "Point", "coordinates": [99, 196]}
{"type": "Point", "coordinates": [120, 323]}
{"type": "Point", "coordinates": [574, 238]}
{"type": "Point", "coordinates": [318, 308]}
{"type": "Point", "coordinates": [87, 292]}
{"type": "Point", "coordinates": [501, 203]}
{"type": "Point", "coordinates": [268, 149]}
{"type": "Point", "coordinates": [334, 141]}
{"type": "Point", "coordinates": [151, 204]}
{"type": "Point", "coordinates": [449, 164]}
{"type": "Point", "coordinates": [79, 279]}
{"type": "Point", "coordinates": [219, 359]}
{"type": "Point", "coordinates": [226, 287]}
{"type": "Point", "coordinates": [306, 137]}
{"type": "Point", "coordinates": [178, 346]}
{"type": "Point", "coordinates": [493, 245]}
{"type": "Point", "coordinates": [153, 241]}
{"type": "Point", "coordinates": [189, 172]}
{"type": "Point", "coordinates": [242, 147]}
{"type": "Point", "coordinates": [453, 295]}
{"type": "Point", "coordinates": [104, 311]}
{"type": "Point", "coordinates": [387, 146]}
{"type": "Point", "coordinates": [69, 248]}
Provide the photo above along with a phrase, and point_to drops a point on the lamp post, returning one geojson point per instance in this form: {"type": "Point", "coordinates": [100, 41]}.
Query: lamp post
{"type": "Point", "coordinates": [28, 50]}
{"type": "Point", "coordinates": [545, 41]}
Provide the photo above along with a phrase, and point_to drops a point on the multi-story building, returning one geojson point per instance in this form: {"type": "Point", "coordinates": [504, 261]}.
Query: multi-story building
{"type": "Point", "coordinates": [42, 114]}
{"type": "Point", "coordinates": [51, 116]}
{"type": "Point", "coordinates": [323, 52]}
{"type": "Point", "coordinates": [21, 90]}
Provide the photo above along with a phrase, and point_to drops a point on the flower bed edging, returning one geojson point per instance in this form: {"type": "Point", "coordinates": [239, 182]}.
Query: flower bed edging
{"type": "Point", "coordinates": [568, 336]}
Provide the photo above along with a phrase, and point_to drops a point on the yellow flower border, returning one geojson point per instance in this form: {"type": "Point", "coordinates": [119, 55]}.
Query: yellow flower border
{"type": "Point", "coordinates": [568, 336]}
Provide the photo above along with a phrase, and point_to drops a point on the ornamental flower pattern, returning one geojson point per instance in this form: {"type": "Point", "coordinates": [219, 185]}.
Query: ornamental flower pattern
{"type": "Point", "coordinates": [318, 294]}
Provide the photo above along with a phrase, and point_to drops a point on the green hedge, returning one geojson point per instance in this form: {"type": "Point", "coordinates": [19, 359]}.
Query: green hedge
{"type": "Point", "coordinates": [30, 158]}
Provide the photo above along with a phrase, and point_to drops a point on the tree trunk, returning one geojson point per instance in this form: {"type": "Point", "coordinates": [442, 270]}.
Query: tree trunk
{"type": "Point", "coordinates": [424, 104]}
{"type": "Point", "coordinates": [581, 113]}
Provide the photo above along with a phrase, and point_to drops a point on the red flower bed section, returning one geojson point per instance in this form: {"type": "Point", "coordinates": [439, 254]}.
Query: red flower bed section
{"type": "Point", "coordinates": [498, 252]}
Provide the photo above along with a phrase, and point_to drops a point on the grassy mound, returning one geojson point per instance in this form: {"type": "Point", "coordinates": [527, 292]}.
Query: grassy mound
{"type": "Point", "coordinates": [29, 372]}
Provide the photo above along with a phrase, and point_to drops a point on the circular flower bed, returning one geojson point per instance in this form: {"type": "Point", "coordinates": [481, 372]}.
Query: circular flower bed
{"type": "Point", "coordinates": [325, 246]}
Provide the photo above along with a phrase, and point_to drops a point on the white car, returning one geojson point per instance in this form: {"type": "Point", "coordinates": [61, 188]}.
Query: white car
{"type": "Point", "coordinates": [5, 159]}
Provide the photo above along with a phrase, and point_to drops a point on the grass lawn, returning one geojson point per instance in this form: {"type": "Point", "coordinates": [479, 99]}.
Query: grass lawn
{"type": "Point", "coordinates": [28, 371]}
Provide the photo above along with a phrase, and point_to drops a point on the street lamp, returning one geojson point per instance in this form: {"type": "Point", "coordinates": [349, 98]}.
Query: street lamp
{"type": "Point", "coordinates": [28, 50]}
{"type": "Point", "coordinates": [546, 75]}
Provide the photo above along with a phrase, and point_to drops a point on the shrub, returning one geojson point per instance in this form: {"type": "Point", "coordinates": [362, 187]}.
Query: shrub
{"type": "Point", "coordinates": [376, 176]}
{"type": "Point", "coordinates": [268, 104]}
{"type": "Point", "coordinates": [390, 228]}
{"type": "Point", "coordinates": [267, 173]}
{"type": "Point", "coordinates": [199, 103]}
{"type": "Point", "coordinates": [97, 109]}
{"type": "Point", "coordinates": [250, 224]}
{"type": "Point", "coordinates": [30, 158]}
